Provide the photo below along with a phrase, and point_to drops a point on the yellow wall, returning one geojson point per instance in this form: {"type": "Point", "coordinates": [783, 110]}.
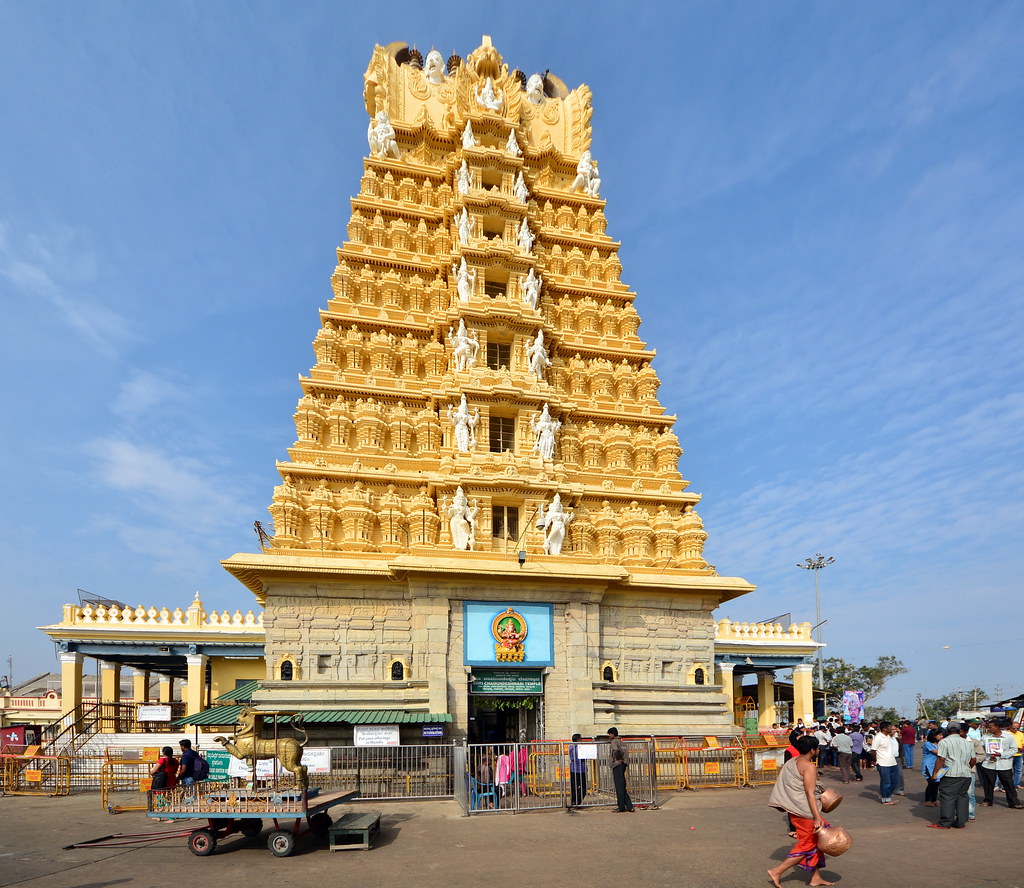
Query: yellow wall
{"type": "Point", "coordinates": [225, 672]}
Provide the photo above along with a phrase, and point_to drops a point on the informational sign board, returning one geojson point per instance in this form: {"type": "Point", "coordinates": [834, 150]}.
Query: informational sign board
{"type": "Point", "coordinates": [770, 760]}
{"type": "Point", "coordinates": [586, 750]}
{"type": "Point", "coordinates": [317, 760]}
{"type": "Point", "coordinates": [750, 726]}
{"type": "Point", "coordinates": [219, 761]}
{"type": "Point", "coordinates": [712, 767]}
{"type": "Point", "coordinates": [522, 682]}
{"type": "Point", "coordinates": [155, 713]}
{"type": "Point", "coordinates": [376, 735]}
{"type": "Point", "coordinates": [535, 639]}
{"type": "Point", "coordinates": [771, 740]}
{"type": "Point", "coordinates": [711, 741]}
{"type": "Point", "coordinates": [151, 754]}
{"type": "Point", "coordinates": [433, 730]}
{"type": "Point", "coordinates": [32, 775]}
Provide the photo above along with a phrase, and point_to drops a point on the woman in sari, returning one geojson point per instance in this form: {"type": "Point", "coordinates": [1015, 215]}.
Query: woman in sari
{"type": "Point", "coordinates": [796, 792]}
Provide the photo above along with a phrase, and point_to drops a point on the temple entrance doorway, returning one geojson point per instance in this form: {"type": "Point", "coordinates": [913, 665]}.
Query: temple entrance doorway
{"type": "Point", "coordinates": [496, 719]}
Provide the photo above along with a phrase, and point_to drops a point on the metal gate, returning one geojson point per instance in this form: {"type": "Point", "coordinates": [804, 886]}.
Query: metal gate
{"type": "Point", "coordinates": [512, 777]}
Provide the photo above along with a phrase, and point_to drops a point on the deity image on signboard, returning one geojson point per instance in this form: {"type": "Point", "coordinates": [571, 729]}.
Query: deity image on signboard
{"type": "Point", "coordinates": [509, 630]}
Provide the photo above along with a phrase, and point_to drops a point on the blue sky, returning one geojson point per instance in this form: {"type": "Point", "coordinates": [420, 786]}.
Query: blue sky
{"type": "Point", "coordinates": [820, 207]}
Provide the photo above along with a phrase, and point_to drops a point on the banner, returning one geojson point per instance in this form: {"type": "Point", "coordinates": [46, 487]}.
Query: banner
{"type": "Point", "coordinates": [853, 706]}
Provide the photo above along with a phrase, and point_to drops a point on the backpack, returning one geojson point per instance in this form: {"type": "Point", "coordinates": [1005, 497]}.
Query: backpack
{"type": "Point", "coordinates": [200, 769]}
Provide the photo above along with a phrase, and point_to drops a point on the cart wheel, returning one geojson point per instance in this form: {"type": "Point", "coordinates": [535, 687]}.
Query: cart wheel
{"type": "Point", "coordinates": [251, 827]}
{"type": "Point", "coordinates": [281, 843]}
{"type": "Point", "coordinates": [202, 842]}
{"type": "Point", "coordinates": [319, 824]}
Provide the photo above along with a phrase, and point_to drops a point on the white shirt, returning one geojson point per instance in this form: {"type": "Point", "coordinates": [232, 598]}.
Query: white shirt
{"type": "Point", "coordinates": [885, 749]}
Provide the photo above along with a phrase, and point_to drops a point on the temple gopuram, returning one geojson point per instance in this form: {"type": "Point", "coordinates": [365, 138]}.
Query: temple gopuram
{"type": "Point", "coordinates": [482, 522]}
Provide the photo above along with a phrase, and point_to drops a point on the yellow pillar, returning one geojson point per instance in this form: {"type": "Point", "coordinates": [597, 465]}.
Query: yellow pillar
{"type": "Point", "coordinates": [140, 686]}
{"type": "Point", "coordinates": [166, 692]}
{"type": "Point", "coordinates": [70, 682]}
{"type": "Point", "coordinates": [725, 679]}
{"type": "Point", "coordinates": [110, 683]}
{"type": "Point", "coordinates": [803, 695]}
{"type": "Point", "coordinates": [766, 699]}
{"type": "Point", "coordinates": [195, 691]}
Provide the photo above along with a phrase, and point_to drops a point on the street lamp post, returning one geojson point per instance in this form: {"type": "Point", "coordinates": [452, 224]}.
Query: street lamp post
{"type": "Point", "coordinates": [816, 564]}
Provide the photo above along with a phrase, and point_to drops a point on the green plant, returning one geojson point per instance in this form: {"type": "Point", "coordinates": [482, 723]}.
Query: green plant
{"type": "Point", "coordinates": [504, 704]}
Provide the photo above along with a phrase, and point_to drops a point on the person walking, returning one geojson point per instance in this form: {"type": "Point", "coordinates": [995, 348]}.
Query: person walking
{"type": "Point", "coordinates": [929, 752]}
{"type": "Point", "coordinates": [1018, 759]}
{"type": "Point", "coordinates": [857, 744]}
{"type": "Point", "coordinates": [843, 746]}
{"type": "Point", "coordinates": [796, 792]}
{"type": "Point", "coordinates": [618, 758]}
{"type": "Point", "coordinates": [885, 746]}
{"type": "Point", "coordinates": [1000, 749]}
{"type": "Point", "coordinates": [577, 776]}
{"type": "Point", "coordinates": [954, 761]}
{"type": "Point", "coordinates": [908, 737]}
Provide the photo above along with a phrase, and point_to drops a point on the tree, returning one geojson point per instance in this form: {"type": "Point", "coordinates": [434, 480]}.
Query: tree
{"type": "Point", "coordinates": [841, 675]}
{"type": "Point", "coordinates": [947, 705]}
{"type": "Point", "coordinates": [881, 713]}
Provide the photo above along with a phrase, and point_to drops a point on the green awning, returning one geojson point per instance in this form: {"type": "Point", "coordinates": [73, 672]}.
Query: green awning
{"type": "Point", "coordinates": [373, 717]}
{"type": "Point", "coordinates": [216, 715]}
{"type": "Point", "coordinates": [242, 691]}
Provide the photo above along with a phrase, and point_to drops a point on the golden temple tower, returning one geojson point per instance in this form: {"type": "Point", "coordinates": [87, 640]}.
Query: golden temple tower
{"type": "Point", "coordinates": [481, 431]}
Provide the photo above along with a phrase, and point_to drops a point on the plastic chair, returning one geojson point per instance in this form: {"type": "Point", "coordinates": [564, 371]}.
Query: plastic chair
{"type": "Point", "coordinates": [478, 793]}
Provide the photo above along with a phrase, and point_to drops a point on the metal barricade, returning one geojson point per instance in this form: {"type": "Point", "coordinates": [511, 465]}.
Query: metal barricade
{"type": "Point", "coordinates": [391, 772]}
{"type": "Point", "coordinates": [670, 762]}
{"type": "Point", "coordinates": [44, 775]}
{"type": "Point", "coordinates": [714, 766]}
{"type": "Point", "coordinates": [762, 764]}
{"type": "Point", "coordinates": [125, 785]}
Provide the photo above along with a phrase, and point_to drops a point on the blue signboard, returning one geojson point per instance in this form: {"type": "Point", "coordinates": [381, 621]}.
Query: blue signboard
{"type": "Point", "coordinates": [507, 634]}
{"type": "Point", "coordinates": [433, 730]}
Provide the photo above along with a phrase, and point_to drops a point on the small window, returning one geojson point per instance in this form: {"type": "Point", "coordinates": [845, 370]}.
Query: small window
{"type": "Point", "coordinates": [287, 670]}
{"type": "Point", "coordinates": [499, 354]}
{"type": "Point", "coordinates": [698, 676]}
{"type": "Point", "coordinates": [323, 662]}
{"type": "Point", "coordinates": [505, 522]}
{"type": "Point", "coordinates": [493, 227]}
{"type": "Point", "coordinates": [495, 289]}
{"type": "Point", "coordinates": [490, 180]}
{"type": "Point", "coordinates": [608, 674]}
{"type": "Point", "coordinates": [398, 671]}
{"type": "Point", "coordinates": [502, 433]}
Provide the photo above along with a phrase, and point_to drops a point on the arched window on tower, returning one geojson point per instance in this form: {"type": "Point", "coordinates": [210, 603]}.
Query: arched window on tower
{"type": "Point", "coordinates": [698, 676]}
{"type": "Point", "coordinates": [608, 674]}
{"type": "Point", "coordinates": [287, 670]}
{"type": "Point", "coordinates": [398, 671]}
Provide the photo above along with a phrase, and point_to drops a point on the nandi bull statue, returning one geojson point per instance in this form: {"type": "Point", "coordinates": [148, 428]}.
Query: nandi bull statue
{"type": "Point", "coordinates": [248, 744]}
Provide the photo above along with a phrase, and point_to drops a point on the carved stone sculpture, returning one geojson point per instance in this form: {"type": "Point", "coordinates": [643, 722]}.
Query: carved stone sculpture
{"type": "Point", "coordinates": [433, 69]}
{"type": "Point", "coordinates": [461, 519]}
{"type": "Point", "coordinates": [553, 523]}
{"type": "Point", "coordinates": [525, 236]}
{"type": "Point", "coordinates": [465, 179]}
{"type": "Point", "coordinates": [587, 179]}
{"type": "Point", "coordinates": [465, 280]}
{"type": "Point", "coordinates": [535, 89]}
{"type": "Point", "coordinates": [544, 428]}
{"type": "Point", "coordinates": [530, 288]}
{"type": "Point", "coordinates": [489, 97]}
{"type": "Point", "coordinates": [464, 347]}
{"type": "Point", "coordinates": [381, 136]}
{"type": "Point", "coordinates": [464, 425]}
{"type": "Point", "coordinates": [537, 356]}
{"type": "Point", "coordinates": [466, 225]}
{"type": "Point", "coordinates": [468, 139]}
{"type": "Point", "coordinates": [512, 145]}
{"type": "Point", "coordinates": [521, 191]}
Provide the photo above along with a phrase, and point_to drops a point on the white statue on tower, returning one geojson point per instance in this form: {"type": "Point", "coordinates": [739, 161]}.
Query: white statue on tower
{"type": "Point", "coordinates": [465, 180]}
{"type": "Point", "coordinates": [464, 346]}
{"type": "Point", "coordinates": [466, 226]}
{"type": "Point", "coordinates": [489, 97]}
{"type": "Point", "coordinates": [521, 191]}
{"type": "Point", "coordinates": [586, 179]}
{"type": "Point", "coordinates": [553, 523]}
{"type": "Point", "coordinates": [461, 519]}
{"type": "Point", "coordinates": [381, 136]}
{"type": "Point", "coordinates": [464, 424]}
{"type": "Point", "coordinates": [465, 280]}
{"type": "Point", "coordinates": [525, 236]}
{"type": "Point", "coordinates": [512, 145]}
{"type": "Point", "coordinates": [433, 68]}
{"type": "Point", "coordinates": [535, 89]}
{"type": "Point", "coordinates": [530, 288]}
{"type": "Point", "coordinates": [468, 139]}
{"type": "Point", "coordinates": [544, 428]}
{"type": "Point", "coordinates": [537, 356]}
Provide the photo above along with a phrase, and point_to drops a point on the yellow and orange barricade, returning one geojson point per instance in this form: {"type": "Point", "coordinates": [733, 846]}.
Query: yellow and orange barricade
{"type": "Point", "coordinates": [29, 773]}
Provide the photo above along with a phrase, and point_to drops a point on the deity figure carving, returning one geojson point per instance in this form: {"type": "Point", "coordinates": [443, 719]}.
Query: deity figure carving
{"type": "Point", "coordinates": [512, 145]}
{"type": "Point", "coordinates": [433, 69]}
{"type": "Point", "coordinates": [553, 523]}
{"type": "Point", "coordinates": [537, 356]}
{"type": "Point", "coordinates": [530, 288]}
{"type": "Point", "coordinates": [586, 179]}
{"type": "Point", "coordinates": [465, 280]}
{"type": "Point", "coordinates": [468, 139]}
{"type": "Point", "coordinates": [521, 191]}
{"type": "Point", "coordinates": [544, 428]}
{"type": "Point", "coordinates": [464, 425]}
{"type": "Point", "coordinates": [489, 97]}
{"type": "Point", "coordinates": [465, 179]}
{"type": "Point", "coordinates": [464, 347]}
{"type": "Point", "coordinates": [535, 89]}
{"type": "Point", "coordinates": [381, 136]}
{"type": "Point", "coordinates": [525, 236]}
{"type": "Point", "coordinates": [466, 225]}
{"type": "Point", "coordinates": [461, 519]}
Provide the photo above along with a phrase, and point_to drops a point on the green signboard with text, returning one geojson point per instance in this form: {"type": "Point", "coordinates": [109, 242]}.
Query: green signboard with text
{"type": "Point", "coordinates": [512, 682]}
{"type": "Point", "coordinates": [218, 760]}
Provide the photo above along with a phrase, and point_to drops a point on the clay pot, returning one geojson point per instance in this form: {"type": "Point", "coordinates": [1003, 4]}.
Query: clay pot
{"type": "Point", "coordinates": [834, 840]}
{"type": "Point", "coordinates": [829, 800]}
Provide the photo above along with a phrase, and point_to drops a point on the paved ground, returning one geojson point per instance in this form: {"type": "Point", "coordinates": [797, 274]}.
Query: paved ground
{"type": "Point", "coordinates": [714, 838]}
